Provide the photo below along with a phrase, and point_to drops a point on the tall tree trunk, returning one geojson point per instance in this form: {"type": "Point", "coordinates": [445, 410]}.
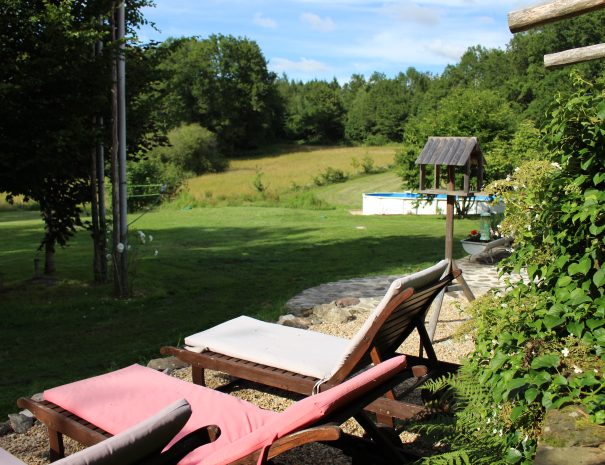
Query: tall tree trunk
{"type": "Point", "coordinates": [97, 184]}
{"type": "Point", "coordinates": [49, 244]}
{"type": "Point", "coordinates": [98, 214]}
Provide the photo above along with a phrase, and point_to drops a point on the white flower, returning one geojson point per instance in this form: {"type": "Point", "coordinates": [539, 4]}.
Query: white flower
{"type": "Point", "coordinates": [489, 420]}
{"type": "Point", "coordinates": [517, 169]}
{"type": "Point", "coordinates": [508, 178]}
{"type": "Point", "coordinates": [120, 247]}
{"type": "Point", "coordinates": [529, 227]}
{"type": "Point", "coordinates": [565, 352]}
{"type": "Point", "coordinates": [141, 234]}
{"type": "Point", "coordinates": [577, 370]}
{"type": "Point", "coordinates": [155, 254]}
{"type": "Point", "coordinates": [595, 370]}
{"type": "Point", "coordinates": [494, 342]}
{"type": "Point", "coordinates": [129, 247]}
{"type": "Point", "coordinates": [555, 165]}
{"type": "Point", "coordinates": [150, 238]}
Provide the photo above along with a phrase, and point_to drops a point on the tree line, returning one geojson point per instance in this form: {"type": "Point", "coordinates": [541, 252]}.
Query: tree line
{"type": "Point", "coordinates": [193, 103]}
{"type": "Point", "coordinates": [221, 84]}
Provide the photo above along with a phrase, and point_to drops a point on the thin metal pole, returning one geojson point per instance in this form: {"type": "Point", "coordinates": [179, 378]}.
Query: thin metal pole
{"type": "Point", "coordinates": [122, 144]}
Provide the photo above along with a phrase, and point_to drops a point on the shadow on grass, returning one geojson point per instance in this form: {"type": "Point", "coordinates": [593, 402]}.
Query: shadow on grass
{"type": "Point", "coordinates": [201, 277]}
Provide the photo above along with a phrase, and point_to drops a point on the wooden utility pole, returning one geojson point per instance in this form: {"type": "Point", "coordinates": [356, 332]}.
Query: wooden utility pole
{"type": "Point", "coordinates": [118, 158]}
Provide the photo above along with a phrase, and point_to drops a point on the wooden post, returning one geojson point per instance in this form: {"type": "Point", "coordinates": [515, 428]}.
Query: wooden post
{"type": "Point", "coordinates": [522, 20]}
{"type": "Point", "coordinates": [449, 217]}
{"type": "Point", "coordinates": [576, 55]}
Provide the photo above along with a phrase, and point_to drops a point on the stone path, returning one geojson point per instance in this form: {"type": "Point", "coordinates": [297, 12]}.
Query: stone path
{"type": "Point", "coordinates": [479, 277]}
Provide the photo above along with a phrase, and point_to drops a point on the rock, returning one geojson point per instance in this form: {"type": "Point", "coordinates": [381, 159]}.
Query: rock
{"type": "Point", "coordinates": [546, 455]}
{"type": "Point", "coordinates": [331, 314]}
{"type": "Point", "coordinates": [569, 437]}
{"type": "Point", "coordinates": [165, 363]}
{"type": "Point", "coordinates": [294, 321]}
{"type": "Point", "coordinates": [27, 413]}
{"type": "Point", "coordinates": [20, 423]}
{"type": "Point", "coordinates": [5, 428]}
{"type": "Point", "coordinates": [347, 302]}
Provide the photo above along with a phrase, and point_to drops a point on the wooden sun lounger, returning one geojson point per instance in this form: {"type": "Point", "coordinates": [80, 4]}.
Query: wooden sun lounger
{"type": "Point", "coordinates": [406, 312]}
{"type": "Point", "coordinates": [377, 447]}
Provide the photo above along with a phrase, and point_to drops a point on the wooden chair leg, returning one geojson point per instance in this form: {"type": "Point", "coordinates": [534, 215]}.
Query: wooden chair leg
{"type": "Point", "coordinates": [380, 418]}
{"type": "Point", "coordinates": [57, 449]}
{"type": "Point", "coordinates": [197, 375]}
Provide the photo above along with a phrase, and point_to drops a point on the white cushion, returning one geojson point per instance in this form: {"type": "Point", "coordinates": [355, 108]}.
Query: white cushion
{"type": "Point", "coordinates": [305, 352]}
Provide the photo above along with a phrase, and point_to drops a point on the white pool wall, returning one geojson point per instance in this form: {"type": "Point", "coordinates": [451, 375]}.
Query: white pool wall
{"type": "Point", "coordinates": [405, 203]}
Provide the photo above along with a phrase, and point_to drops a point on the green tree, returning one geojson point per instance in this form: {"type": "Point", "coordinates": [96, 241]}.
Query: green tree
{"type": "Point", "coordinates": [314, 111]}
{"type": "Point", "coordinates": [507, 155]}
{"type": "Point", "coordinates": [465, 112]}
{"type": "Point", "coordinates": [193, 149]}
{"type": "Point", "coordinates": [223, 84]}
{"type": "Point", "coordinates": [51, 87]}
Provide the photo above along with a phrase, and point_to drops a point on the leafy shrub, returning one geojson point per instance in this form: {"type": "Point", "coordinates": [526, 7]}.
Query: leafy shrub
{"type": "Point", "coordinates": [330, 176]}
{"type": "Point", "coordinates": [541, 345]}
{"type": "Point", "coordinates": [365, 166]}
{"type": "Point", "coordinates": [258, 183]}
{"type": "Point", "coordinates": [193, 149]}
{"type": "Point", "coordinates": [150, 181]}
{"type": "Point", "coordinates": [306, 200]}
{"type": "Point", "coordinates": [376, 140]}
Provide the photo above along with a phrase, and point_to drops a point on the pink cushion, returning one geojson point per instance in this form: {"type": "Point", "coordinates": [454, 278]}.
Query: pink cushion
{"type": "Point", "coordinates": [118, 400]}
{"type": "Point", "coordinates": [307, 411]}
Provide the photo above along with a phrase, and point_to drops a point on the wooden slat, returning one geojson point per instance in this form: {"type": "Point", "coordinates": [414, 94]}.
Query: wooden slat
{"type": "Point", "coordinates": [522, 20]}
{"type": "Point", "coordinates": [60, 421]}
{"type": "Point", "coordinates": [575, 55]}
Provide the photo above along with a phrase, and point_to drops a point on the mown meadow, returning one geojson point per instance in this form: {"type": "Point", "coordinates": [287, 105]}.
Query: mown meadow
{"type": "Point", "coordinates": [212, 263]}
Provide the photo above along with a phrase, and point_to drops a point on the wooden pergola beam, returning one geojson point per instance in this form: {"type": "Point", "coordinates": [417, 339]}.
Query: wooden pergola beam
{"type": "Point", "coordinates": [522, 20]}
{"type": "Point", "coordinates": [576, 55]}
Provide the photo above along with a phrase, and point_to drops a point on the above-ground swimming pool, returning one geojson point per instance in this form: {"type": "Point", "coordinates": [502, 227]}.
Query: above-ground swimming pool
{"type": "Point", "coordinates": [407, 203]}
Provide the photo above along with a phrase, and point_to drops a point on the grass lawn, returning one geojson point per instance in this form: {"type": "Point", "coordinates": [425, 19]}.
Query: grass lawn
{"type": "Point", "coordinates": [350, 193]}
{"type": "Point", "coordinates": [293, 165]}
{"type": "Point", "coordinates": [212, 264]}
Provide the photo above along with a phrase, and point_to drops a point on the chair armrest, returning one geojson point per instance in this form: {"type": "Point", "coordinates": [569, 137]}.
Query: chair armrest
{"type": "Point", "coordinates": [185, 445]}
{"type": "Point", "coordinates": [316, 434]}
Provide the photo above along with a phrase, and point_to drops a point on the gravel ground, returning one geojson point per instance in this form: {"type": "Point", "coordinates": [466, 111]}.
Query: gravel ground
{"type": "Point", "coordinates": [32, 447]}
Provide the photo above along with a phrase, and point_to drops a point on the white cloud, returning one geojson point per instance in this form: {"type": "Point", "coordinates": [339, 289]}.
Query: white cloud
{"type": "Point", "coordinates": [263, 21]}
{"type": "Point", "coordinates": [410, 12]}
{"type": "Point", "coordinates": [318, 23]}
{"type": "Point", "coordinates": [304, 65]}
{"type": "Point", "coordinates": [450, 50]}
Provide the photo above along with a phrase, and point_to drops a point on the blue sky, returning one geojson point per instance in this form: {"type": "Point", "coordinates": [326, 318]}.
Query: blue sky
{"type": "Point", "coordinates": [308, 39]}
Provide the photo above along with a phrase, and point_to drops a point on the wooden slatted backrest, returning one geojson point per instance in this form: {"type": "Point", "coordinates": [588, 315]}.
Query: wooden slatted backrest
{"type": "Point", "coordinates": [366, 338]}
{"type": "Point", "coordinates": [406, 316]}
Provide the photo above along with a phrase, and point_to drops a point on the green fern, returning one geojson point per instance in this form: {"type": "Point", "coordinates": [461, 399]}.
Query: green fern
{"type": "Point", "coordinates": [470, 432]}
